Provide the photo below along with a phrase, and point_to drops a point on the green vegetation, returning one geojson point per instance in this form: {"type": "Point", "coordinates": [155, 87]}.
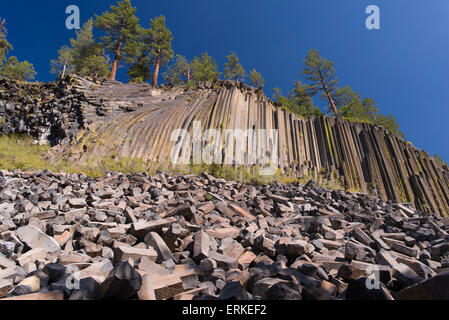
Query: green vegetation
{"type": "Point", "coordinates": [122, 31]}
{"type": "Point", "coordinates": [390, 124]}
{"type": "Point", "coordinates": [21, 152]}
{"type": "Point", "coordinates": [179, 72]}
{"type": "Point", "coordinates": [298, 101]}
{"type": "Point", "coordinates": [321, 74]}
{"type": "Point", "coordinates": [159, 40]}
{"type": "Point", "coordinates": [345, 102]}
{"type": "Point", "coordinates": [84, 56]}
{"type": "Point", "coordinates": [125, 40]}
{"type": "Point", "coordinates": [140, 71]}
{"type": "Point", "coordinates": [233, 69]}
{"type": "Point", "coordinates": [351, 105]}
{"type": "Point", "coordinates": [353, 108]}
{"type": "Point", "coordinates": [15, 70]}
{"type": "Point", "coordinates": [256, 80]}
{"type": "Point", "coordinates": [204, 68]}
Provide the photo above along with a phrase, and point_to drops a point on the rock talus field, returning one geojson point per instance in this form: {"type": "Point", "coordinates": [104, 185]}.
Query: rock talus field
{"type": "Point", "coordinates": [152, 238]}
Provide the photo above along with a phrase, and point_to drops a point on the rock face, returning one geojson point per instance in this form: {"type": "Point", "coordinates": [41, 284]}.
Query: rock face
{"type": "Point", "coordinates": [66, 236]}
{"type": "Point", "coordinates": [96, 120]}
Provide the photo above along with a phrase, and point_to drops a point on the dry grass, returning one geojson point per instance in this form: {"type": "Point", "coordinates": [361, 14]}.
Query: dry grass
{"type": "Point", "coordinates": [21, 152]}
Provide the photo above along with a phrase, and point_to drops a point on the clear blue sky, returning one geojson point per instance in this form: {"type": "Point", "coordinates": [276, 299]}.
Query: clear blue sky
{"type": "Point", "coordinates": [404, 66]}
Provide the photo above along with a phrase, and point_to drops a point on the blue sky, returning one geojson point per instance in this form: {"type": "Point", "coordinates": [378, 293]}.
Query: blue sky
{"type": "Point", "coordinates": [404, 66]}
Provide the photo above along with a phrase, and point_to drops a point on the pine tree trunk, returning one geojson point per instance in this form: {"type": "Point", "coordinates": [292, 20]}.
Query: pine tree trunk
{"type": "Point", "coordinates": [156, 71]}
{"type": "Point", "coordinates": [328, 94]}
{"type": "Point", "coordinates": [331, 100]}
{"type": "Point", "coordinates": [116, 59]}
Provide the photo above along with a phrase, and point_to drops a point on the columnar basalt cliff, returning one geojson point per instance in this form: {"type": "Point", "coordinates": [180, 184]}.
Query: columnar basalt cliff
{"type": "Point", "coordinates": [136, 121]}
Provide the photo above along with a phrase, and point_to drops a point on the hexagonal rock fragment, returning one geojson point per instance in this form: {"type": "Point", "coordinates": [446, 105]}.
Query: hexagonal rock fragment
{"type": "Point", "coordinates": [266, 245]}
{"type": "Point", "coordinates": [28, 285]}
{"type": "Point", "coordinates": [234, 291]}
{"type": "Point", "coordinates": [125, 253]}
{"type": "Point", "coordinates": [223, 261]}
{"type": "Point", "coordinates": [166, 287]}
{"type": "Point", "coordinates": [77, 202]}
{"type": "Point", "coordinates": [153, 239]}
{"type": "Point", "coordinates": [263, 285]}
{"type": "Point", "coordinates": [31, 256]}
{"type": "Point", "coordinates": [88, 290]}
{"type": "Point", "coordinates": [6, 263]}
{"type": "Point", "coordinates": [141, 228]}
{"type": "Point", "coordinates": [353, 251]}
{"type": "Point", "coordinates": [201, 246]}
{"type": "Point", "coordinates": [91, 249]}
{"type": "Point", "coordinates": [99, 271]}
{"type": "Point", "coordinates": [122, 283]}
{"type": "Point", "coordinates": [245, 260]}
{"type": "Point", "coordinates": [281, 291]}
{"type": "Point", "coordinates": [242, 212]}
{"type": "Point", "coordinates": [231, 248]}
{"type": "Point", "coordinates": [35, 238]}
{"type": "Point", "coordinates": [54, 271]}
{"type": "Point", "coordinates": [146, 291]}
{"type": "Point", "coordinates": [208, 265]}
{"type": "Point", "coordinates": [222, 233]}
{"type": "Point", "coordinates": [5, 287]}
{"type": "Point", "coordinates": [7, 248]}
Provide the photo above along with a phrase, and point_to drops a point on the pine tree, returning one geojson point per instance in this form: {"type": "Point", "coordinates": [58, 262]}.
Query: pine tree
{"type": "Point", "coordinates": [390, 124]}
{"type": "Point", "coordinates": [256, 80]}
{"type": "Point", "coordinates": [179, 72]}
{"type": "Point", "coordinates": [276, 94]}
{"type": "Point", "coordinates": [204, 68]}
{"type": "Point", "coordinates": [298, 101]}
{"type": "Point", "coordinates": [351, 105]}
{"type": "Point", "coordinates": [84, 56]}
{"type": "Point", "coordinates": [321, 73]}
{"type": "Point", "coordinates": [159, 40]}
{"type": "Point", "coordinates": [233, 69]}
{"type": "Point", "coordinates": [121, 28]}
{"type": "Point", "coordinates": [15, 70]}
{"type": "Point", "coordinates": [140, 71]}
{"type": "Point", "coordinates": [64, 64]}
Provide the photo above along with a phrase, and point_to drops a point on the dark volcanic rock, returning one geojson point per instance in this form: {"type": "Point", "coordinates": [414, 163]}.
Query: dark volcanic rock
{"type": "Point", "coordinates": [98, 238]}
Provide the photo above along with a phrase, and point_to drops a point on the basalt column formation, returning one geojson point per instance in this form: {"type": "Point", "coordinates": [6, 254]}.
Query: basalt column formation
{"type": "Point", "coordinates": [136, 121]}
